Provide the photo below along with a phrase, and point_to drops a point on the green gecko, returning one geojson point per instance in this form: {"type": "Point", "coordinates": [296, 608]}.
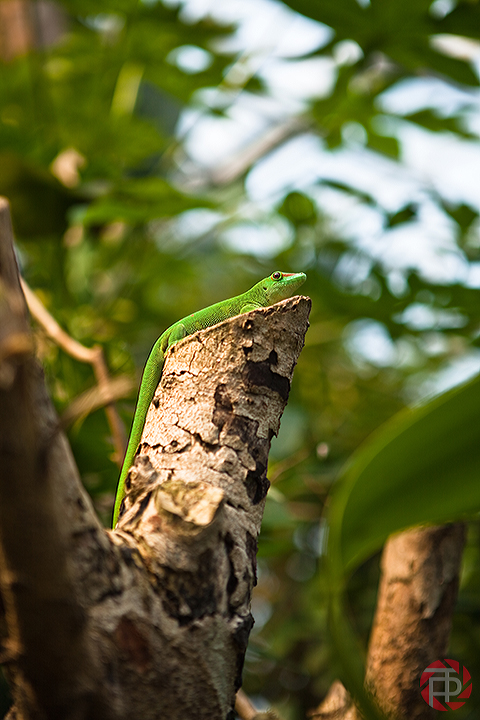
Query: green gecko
{"type": "Point", "coordinates": [278, 286]}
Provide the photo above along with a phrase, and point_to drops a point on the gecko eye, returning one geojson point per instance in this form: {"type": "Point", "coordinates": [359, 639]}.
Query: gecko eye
{"type": "Point", "coordinates": [277, 275]}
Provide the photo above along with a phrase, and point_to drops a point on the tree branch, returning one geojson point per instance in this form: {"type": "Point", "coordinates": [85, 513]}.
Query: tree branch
{"type": "Point", "coordinates": [151, 619]}
{"type": "Point", "coordinates": [413, 620]}
{"type": "Point", "coordinates": [412, 623]}
{"type": "Point", "coordinates": [94, 356]}
{"type": "Point", "coordinates": [41, 608]}
{"type": "Point", "coordinates": [196, 493]}
{"type": "Point", "coordinates": [97, 397]}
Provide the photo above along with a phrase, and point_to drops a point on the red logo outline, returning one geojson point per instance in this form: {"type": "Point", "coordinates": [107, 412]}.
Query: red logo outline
{"type": "Point", "coordinates": [445, 672]}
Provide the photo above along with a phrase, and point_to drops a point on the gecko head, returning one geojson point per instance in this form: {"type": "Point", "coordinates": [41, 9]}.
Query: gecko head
{"type": "Point", "coordinates": [281, 285]}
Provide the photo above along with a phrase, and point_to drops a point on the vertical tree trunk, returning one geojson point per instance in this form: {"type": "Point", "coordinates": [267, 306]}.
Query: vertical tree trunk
{"type": "Point", "coordinates": [416, 600]}
{"type": "Point", "coordinates": [412, 623]}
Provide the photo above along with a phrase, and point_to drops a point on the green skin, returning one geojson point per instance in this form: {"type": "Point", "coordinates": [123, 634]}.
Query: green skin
{"type": "Point", "coordinates": [278, 286]}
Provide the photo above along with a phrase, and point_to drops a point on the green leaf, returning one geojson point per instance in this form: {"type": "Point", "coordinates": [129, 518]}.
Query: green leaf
{"type": "Point", "coordinates": [385, 145]}
{"type": "Point", "coordinates": [421, 467]}
{"type": "Point", "coordinates": [430, 120]}
{"type": "Point", "coordinates": [462, 214]}
{"type": "Point", "coordinates": [299, 209]}
{"type": "Point", "coordinates": [463, 20]}
{"type": "Point", "coordinates": [139, 200]}
{"type": "Point", "coordinates": [421, 58]}
{"type": "Point", "coordinates": [404, 215]}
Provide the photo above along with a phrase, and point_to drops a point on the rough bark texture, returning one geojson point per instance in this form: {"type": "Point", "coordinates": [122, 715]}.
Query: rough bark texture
{"type": "Point", "coordinates": [197, 492]}
{"type": "Point", "coordinates": [413, 620]}
{"type": "Point", "coordinates": [151, 620]}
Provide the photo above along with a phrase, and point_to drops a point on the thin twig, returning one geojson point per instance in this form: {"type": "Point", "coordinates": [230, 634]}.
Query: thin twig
{"type": "Point", "coordinates": [97, 397]}
{"type": "Point", "coordinates": [246, 710]}
{"type": "Point", "coordinates": [244, 707]}
{"type": "Point", "coordinates": [94, 356]}
{"type": "Point", "coordinates": [287, 464]}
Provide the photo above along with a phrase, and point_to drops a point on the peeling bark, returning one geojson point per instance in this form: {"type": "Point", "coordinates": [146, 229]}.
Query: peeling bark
{"type": "Point", "coordinates": [150, 620]}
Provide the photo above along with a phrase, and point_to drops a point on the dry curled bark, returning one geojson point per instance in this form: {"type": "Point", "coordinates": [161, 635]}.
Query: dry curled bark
{"type": "Point", "coordinates": [150, 620]}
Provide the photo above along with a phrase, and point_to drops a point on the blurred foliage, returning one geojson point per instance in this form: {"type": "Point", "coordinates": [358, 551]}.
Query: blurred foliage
{"type": "Point", "coordinates": [119, 239]}
{"type": "Point", "coordinates": [422, 453]}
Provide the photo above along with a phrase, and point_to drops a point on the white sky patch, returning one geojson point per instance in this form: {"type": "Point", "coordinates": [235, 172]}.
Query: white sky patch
{"type": "Point", "coordinates": [448, 164]}
{"type": "Point", "coordinates": [347, 52]}
{"type": "Point", "coordinates": [190, 58]}
{"type": "Point", "coordinates": [259, 239]}
{"type": "Point", "coordinates": [268, 108]}
{"type": "Point", "coordinates": [304, 160]}
{"type": "Point", "coordinates": [413, 246]}
{"type": "Point", "coordinates": [352, 270]}
{"type": "Point", "coordinates": [197, 222]}
{"type": "Point", "coordinates": [264, 26]}
{"type": "Point", "coordinates": [411, 96]}
{"type": "Point", "coordinates": [458, 371]}
{"type": "Point", "coordinates": [210, 139]}
{"type": "Point", "coordinates": [418, 316]}
{"type": "Point", "coordinates": [300, 79]}
{"type": "Point", "coordinates": [349, 217]}
{"type": "Point", "coordinates": [295, 164]}
{"type": "Point", "coordinates": [229, 138]}
{"type": "Point", "coordinates": [369, 341]}
{"type": "Point", "coordinates": [440, 8]}
{"type": "Point", "coordinates": [416, 94]}
{"type": "Point", "coordinates": [473, 275]}
{"type": "Point", "coordinates": [354, 134]}
{"type": "Point", "coordinates": [390, 185]}
{"type": "Point", "coordinates": [426, 245]}
{"type": "Point", "coordinates": [462, 48]}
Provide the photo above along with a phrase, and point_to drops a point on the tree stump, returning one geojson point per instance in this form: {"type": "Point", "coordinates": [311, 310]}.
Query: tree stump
{"type": "Point", "coordinates": [152, 619]}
